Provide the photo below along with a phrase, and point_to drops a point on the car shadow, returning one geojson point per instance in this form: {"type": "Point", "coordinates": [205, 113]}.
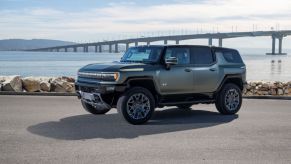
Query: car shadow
{"type": "Point", "coordinates": [112, 126]}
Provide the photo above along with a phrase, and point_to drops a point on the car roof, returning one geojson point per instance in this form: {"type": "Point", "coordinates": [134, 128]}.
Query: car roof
{"type": "Point", "coordinates": [206, 46]}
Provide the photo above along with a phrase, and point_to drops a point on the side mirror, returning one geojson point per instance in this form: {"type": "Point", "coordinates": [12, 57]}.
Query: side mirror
{"type": "Point", "coordinates": [171, 61]}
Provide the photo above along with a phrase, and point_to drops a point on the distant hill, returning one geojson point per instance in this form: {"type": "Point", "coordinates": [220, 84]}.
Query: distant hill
{"type": "Point", "coordinates": [22, 44]}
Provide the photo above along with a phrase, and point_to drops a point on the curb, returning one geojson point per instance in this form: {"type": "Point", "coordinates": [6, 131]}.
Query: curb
{"type": "Point", "coordinates": [269, 97]}
{"type": "Point", "coordinates": [38, 93]}
{"type": "Point", "coordinates": [74, 94]}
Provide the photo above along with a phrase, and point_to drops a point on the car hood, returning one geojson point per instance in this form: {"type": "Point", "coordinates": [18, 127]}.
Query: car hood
{"type": "Point", "coordinates": [110, 67]}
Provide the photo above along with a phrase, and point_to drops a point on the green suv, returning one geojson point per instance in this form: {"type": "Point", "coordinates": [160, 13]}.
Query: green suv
{"type": "Point", "coordinates": [149, 77]}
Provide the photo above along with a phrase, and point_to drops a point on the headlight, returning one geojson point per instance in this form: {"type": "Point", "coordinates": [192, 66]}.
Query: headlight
{"type": "Point", "coordinates": [112, 76]}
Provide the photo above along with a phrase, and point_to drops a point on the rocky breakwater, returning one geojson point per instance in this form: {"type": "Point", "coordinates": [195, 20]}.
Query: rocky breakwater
{"type": "Point", "coordinates": [66, 84]}
{"type": "Point", "coordinates": [268, 88]}
{"type": "Point", "coordinates": [37, 84]}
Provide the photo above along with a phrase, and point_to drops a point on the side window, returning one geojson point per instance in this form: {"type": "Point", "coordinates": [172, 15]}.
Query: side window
{"type": "Point", "coordinates": [201, 56]}
{"type": "Point", "coordinates": [232, 56]}
{"type": "Point", "coordinates": [182, 54]}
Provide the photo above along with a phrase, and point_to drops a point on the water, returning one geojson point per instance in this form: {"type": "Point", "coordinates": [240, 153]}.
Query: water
{"type": "Point", "coordinates": [259, 66]}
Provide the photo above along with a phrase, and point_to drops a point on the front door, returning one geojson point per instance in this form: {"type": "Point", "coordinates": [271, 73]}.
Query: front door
{"type": "Point", "coordinates": [179, 79]}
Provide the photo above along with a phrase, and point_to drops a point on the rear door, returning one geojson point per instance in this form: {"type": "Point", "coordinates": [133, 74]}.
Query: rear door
{"type": "Point", "coordinates": [205, 69]}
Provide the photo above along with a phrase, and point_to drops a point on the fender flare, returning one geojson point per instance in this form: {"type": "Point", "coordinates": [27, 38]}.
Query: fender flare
{"type": "Point", "coordinates": [231, 76]}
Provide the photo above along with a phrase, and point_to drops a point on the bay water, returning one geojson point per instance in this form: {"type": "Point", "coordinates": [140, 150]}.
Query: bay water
{"type": "Point", "coordinates": [259, 66]}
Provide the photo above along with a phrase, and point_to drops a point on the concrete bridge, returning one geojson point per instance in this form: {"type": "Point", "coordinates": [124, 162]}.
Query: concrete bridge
{"type": "Point", "coordinates": [113, 46]}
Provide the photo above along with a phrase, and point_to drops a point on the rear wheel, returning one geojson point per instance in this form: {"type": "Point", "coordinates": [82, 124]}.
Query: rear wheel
{"type": "Point", "coordinates": [229, 99]}
{"type": "Point", "coordinates": [94, 110]}
{"type": "Point", "coordinates": [136, 105]}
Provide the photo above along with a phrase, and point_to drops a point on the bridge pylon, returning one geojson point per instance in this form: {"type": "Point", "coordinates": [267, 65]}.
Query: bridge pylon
{"type": "Point", "coordinates": [280, 38]}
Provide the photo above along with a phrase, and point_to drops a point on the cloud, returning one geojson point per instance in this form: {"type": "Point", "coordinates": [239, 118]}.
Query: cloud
{"type": "Point", "coordinates": [132, 18]}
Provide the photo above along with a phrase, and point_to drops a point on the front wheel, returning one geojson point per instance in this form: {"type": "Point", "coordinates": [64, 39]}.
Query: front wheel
{"type": "Point", "coordinates": [136, 105]}
{"type": "Point", "coordinates": [94, 110]}
{"type": "Point", "coordinates": [229, 99]}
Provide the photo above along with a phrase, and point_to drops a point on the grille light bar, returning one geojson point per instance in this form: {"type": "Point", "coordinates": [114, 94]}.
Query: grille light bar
{"type": "Point", "coordinates": [102, 76]}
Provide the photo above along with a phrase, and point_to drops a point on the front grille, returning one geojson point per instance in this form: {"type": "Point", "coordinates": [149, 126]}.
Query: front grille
{"type": "Point", "coordinates": [90, 75]}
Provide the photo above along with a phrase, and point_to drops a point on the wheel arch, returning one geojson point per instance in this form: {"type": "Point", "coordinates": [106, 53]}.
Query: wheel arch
{"type": "Point", "coordinates": [236, 79]}
{"type": "Point", "coordinates": [147, 82]}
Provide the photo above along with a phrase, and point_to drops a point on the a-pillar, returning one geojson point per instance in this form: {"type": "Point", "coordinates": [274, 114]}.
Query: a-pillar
{"type": "Point", "coordinates": [177, 42]}
{"type": "Point", "coordinates": [116, 48]}
{"type": "Point", "coordinates": [127, 46]}
{"type": "Point", "coordinates": [220, 42]}
{"type": "Point", "coordinates": [210, 41]}
{"type": "Point", "coordinates": [148, 43]}
{"type": "Point", "coordinates": [75, 49]}
{"type": "Point", "coordinates": [136, 44]}
{"type": "Point", "coordinates": [165, 42]}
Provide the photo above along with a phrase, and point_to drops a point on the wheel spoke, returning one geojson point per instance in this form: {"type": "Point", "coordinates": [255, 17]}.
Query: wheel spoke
{"type": "Point", "coordinates": [232, 99]}
{"type": "Point", "coordinates": [138, 106]}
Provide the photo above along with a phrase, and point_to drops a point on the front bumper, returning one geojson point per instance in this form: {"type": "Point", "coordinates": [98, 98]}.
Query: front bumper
{"type": "Point", "coordinates": [94, 99]}
{"type": "Point", "coordinates": [99, 88]}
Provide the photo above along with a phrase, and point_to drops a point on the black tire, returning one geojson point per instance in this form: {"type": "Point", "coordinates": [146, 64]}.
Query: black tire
{"type": "Point", "coordinates": [229, 99]}
{"type": "Point", "coordinates": [89, 108]}
{"type": "Point", "coordinates": [185, 106]}
{"type": "Point", "coordinates": [130, 105]}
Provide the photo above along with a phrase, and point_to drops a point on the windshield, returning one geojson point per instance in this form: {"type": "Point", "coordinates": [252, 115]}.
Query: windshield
{"type": "Point", "coordinates": [142, 54]}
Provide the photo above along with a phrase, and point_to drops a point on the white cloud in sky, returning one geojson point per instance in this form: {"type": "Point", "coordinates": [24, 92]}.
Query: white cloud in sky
{"type": "Point", "coordinates": [124, 18]}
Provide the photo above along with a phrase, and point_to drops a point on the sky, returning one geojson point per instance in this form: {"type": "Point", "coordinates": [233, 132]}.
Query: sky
{"type": "Point", "coordinates": [96, 20]}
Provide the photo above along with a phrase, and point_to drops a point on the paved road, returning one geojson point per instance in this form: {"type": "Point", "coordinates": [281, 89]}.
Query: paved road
{"type": "Point", "coordinates": [57, 130]}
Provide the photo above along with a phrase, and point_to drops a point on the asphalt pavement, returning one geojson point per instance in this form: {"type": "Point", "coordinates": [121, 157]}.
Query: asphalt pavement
{"type": "Point", "coordinates": [42, 129]}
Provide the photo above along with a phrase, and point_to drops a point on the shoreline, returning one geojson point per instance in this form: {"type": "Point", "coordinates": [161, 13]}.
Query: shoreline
{"type": "Point", "coordinates": [64, 85]}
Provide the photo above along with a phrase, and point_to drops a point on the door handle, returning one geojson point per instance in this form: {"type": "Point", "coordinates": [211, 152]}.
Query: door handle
{"type": "Point", "coordinates": [188, 70]}
{"type": "Point", "coordinates": [212, 69]}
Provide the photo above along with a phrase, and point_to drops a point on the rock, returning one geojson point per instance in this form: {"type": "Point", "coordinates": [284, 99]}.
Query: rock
{"type": "Point", "coordinates": [253, 84]}
{"type": "Point", "coordinates": [280, 92]}
{"type": "Point", "coordinates": [68, 79]}
{"type": "Point", "coordinates": [11, 83]}
{"type": "Point", "coordinates": [31, 84]}
{"type": "Point", "coordinates": [46, 79]}
{"type": "Point", "coordinates": [279, 84]}
{"type": "Point", "coordinates": [249, 94]}
{"type": "Point", "coordinates": [265, 87]}
{"type": "Point", "coordinates": [273, 91]}
{"type": "Point", "coordinates": [286, 92]}
{"type": "Point", "coordinates": [45, 86]}
{"type": "Point", "coordinates": [2, 79]}
{"type": "Point", "coordinates": [259, 92]}
{"type": "Point", "coordinates": [244, 91]}
{"type": "Point", "coordinates": [264, 92]}
{"type": "Point", "coordinates": [60, 85]}
{"type": "Point", "coordinates": [273, 86]}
